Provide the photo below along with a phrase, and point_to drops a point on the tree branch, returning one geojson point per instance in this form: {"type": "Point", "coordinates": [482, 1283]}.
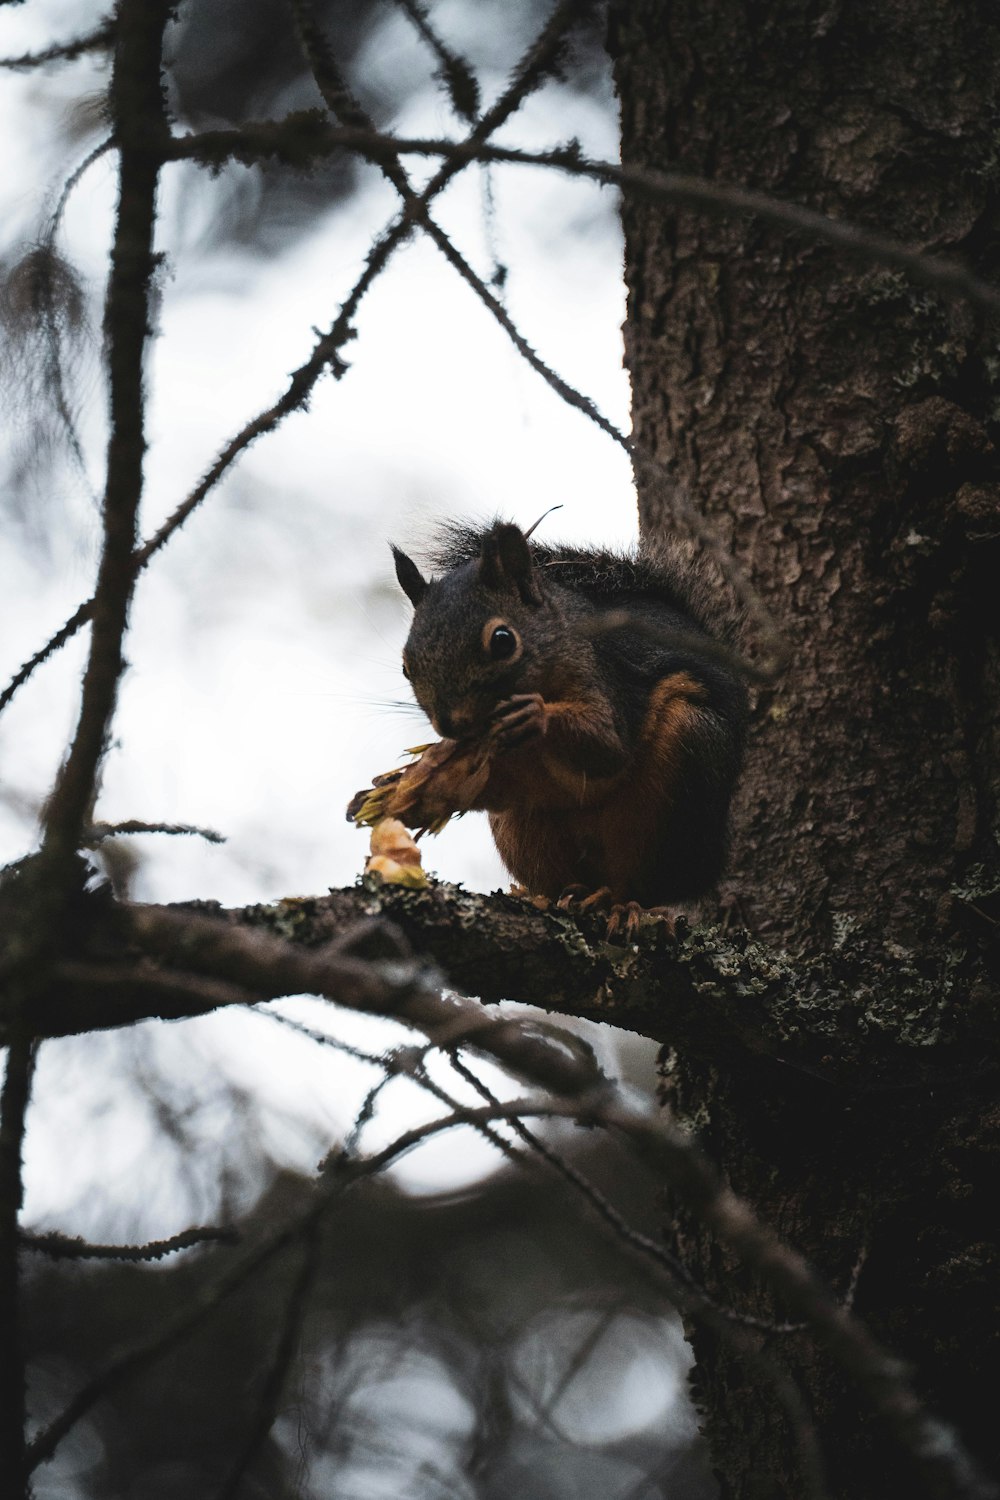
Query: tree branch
{"type": "Point", "coordinates": [69, 1247]}
{"type": "Point", "coordinates": [555, 1062]}
{"type": "Point", "coordinates": [303, 139]}
{"type": "Point", "coordinates": [141, 129]}
{"type": "Point", "coordinates": [98, 832]}
{"type": "Point", "coordinates": [454, 72]}
{"type": "Point", "coordinates": [718, 996]}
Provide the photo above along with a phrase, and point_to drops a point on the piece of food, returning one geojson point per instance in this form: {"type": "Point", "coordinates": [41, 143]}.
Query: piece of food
{"type": "Point", "coordinates": [445, 779]}
{"type": "Point", "coordinates": [394, 855]}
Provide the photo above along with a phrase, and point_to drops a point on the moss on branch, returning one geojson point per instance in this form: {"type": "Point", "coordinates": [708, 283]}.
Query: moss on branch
{"type": "Point", "coordinates": [857, 1017]}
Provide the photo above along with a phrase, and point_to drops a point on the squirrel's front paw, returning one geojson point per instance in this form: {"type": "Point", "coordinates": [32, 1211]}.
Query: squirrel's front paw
{"type": "Point", "coordinates": [518, 720]}
{"type": "Point", "coordinates": [445, 779]}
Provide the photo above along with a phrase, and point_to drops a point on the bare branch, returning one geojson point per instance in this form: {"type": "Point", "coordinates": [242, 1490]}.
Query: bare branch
{"type": "Point", "coordinates": [141, 129]}
{"type": "Point", "coordinates": [65, 1247]}
{"type": "Point", "coordinates": [65, 633]}
{"type": "Point", "coordinates": [687, 1294]}
{"type": "Point", "coordinates": [98, 40]}
{"type": "Point", "coordinates": [721, 996]}
{"type": "Point", "coordinates": [535, 67]}
{"type": "Point", "coordinates": [98, 832]}
{"type": "Point", "coordinates": [72, 182]}
{"type": "Point", "coordinates": [302, 134]}
{"type": "Point", "coordinates": [455, 73]}
{"type": "Point", "coordinates": [373, 1059]}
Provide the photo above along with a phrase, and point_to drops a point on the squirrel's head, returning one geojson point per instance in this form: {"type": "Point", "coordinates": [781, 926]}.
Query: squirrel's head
{"type": "Point", "coordinates": [476, 632]}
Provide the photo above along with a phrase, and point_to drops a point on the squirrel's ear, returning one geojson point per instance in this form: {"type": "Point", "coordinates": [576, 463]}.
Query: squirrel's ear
{"type": "Point", "coordinates": [506, 563]}
{"type": "Point", "coordinates": [411, 580]}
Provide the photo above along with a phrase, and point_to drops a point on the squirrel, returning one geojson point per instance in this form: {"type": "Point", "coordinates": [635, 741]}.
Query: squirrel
{"type": "Point", "coordinates": [585, 704]}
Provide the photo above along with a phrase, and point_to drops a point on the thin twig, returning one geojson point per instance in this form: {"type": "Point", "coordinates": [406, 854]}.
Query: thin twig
{"type": "Point", "coordinates": [70, 184]}
{"type": "Point", "coordinates": [66, 1247]}
{"type": "Point", "coordinates": [455, 73]}
{"type": "Point", "coordinates": [98, 40]}
{"type": "Point", "coordinates": [65, 633]}
{"type": "Point", "coordinates": [718, 198]}
{"type": "Point", "coordinates": [689, 1296]}
{"type": "Point", "coordinates": [374, 1059]}
{"type": "Point", "coordinates": [98, 832]}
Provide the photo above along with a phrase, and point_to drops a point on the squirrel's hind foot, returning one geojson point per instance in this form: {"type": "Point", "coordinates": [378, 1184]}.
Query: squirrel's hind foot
{"type": "Point", "coordinates": [624, 918]}
{"type": "Point", "coordinates": [541, 903]}
{"type": "Point", "coordinates": [580, 898]}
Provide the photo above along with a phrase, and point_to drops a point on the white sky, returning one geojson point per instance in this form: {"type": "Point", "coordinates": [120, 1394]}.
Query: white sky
{"type": "Point", "coordinates": [266, 636]}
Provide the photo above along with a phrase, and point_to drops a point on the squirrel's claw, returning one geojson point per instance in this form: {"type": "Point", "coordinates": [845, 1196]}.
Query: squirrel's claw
{"type": "Point", "coordinates": [573, 898]}
{"type": "Point", "coordinates": [517, 720]}
{"type": "Point", "coordinates": [624, 918]}
{"type": "Point", "coordinates": [632, 916]}
{"type": "Point", "coordinates": [628, 914]}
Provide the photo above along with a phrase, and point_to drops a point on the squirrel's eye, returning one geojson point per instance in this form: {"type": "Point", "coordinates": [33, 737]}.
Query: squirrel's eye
{"type": "Point", "coordinates": [503, 643]}
{"type": "Point", "coordinates": [406, 671]}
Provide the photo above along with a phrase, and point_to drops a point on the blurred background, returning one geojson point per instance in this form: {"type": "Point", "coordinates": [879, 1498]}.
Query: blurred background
{"type": "Point", "coordinates": [471, 1332]}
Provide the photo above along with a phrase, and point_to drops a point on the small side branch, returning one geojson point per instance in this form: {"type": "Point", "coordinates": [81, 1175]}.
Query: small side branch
{"type": "Point", "coordinates": [455, 73]}
{"type": "Point", "coordinates": [66, 1247]}
{"type": "Point", "coordinates": [98, 832]}
{"type": "Point", "coordinates": [301, 140]}
{"type": "Point", "coordinates": [98, 40]}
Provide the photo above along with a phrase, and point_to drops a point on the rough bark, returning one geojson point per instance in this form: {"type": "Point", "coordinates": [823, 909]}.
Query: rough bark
{"type": "Point", "coordinates": [839, 424]}
{"type": "Point", "coordinates": [715, 995]}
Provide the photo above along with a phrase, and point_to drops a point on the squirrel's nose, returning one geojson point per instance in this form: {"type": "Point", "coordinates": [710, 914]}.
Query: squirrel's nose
{"type": "Point", "coordinates": [452, 725]}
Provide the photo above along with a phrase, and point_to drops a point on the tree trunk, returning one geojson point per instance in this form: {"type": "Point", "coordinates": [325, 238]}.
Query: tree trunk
{"type": "Point", "coordinates": [835, 421]}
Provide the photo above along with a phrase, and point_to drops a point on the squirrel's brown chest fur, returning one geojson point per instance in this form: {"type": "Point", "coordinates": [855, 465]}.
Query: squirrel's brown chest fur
{"type": "Point", "coordinates": [559, 826]}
